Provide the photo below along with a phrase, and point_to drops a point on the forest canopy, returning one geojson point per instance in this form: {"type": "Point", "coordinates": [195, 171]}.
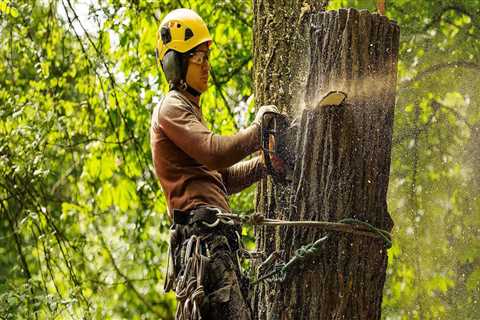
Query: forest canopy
{"type": "Point", "coordinates": [83, 223]}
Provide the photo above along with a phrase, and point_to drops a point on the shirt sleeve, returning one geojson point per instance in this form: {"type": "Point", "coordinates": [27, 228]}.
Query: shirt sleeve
{"type": "Point", "coordinates": [182, 127]}
{"type": "Point", "coordinates": [243, 174]}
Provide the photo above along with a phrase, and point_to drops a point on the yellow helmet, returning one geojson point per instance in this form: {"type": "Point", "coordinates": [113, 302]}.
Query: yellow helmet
{"type": "Point", "coordinates": [181, 30]}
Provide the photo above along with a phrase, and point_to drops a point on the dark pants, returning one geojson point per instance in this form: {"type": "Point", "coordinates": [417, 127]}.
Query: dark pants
{"type": "Point", "coordinates": [225, 289]}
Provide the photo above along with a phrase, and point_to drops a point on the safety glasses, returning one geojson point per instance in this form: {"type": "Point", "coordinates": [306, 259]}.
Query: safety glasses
{"type": "Point", "coordinates": [199, 57]}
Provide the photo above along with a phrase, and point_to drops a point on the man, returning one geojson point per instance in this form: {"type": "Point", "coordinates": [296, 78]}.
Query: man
{"type": "Point", "coordinates": [197, 170]}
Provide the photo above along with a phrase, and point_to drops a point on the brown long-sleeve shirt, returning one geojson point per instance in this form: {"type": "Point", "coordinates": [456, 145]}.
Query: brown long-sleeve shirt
{"type": "Point", "coordinates": [195, 166]}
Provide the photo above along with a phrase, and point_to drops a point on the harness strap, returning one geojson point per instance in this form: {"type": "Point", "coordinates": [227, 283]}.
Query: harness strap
{"type": "Point", "coordinates": [202, 214]}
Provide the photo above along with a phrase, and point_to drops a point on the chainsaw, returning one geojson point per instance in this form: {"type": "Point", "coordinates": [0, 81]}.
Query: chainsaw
{"type": "Point", "coordinates": [279, 135]}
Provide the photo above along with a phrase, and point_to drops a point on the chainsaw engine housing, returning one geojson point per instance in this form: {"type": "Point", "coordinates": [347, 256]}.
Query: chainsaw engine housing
{"type": "Point", "coordinates": [279, 135]}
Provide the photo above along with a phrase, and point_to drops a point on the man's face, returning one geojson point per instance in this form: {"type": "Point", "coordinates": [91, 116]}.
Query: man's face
{"type": "Point", "coordinates": [198, 67]}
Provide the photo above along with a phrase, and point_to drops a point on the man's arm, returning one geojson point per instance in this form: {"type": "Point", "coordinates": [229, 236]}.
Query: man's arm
{"type": "Point", "coordinates": [243, 174]}
{"type": "Point", "coordinates": [214, 151]}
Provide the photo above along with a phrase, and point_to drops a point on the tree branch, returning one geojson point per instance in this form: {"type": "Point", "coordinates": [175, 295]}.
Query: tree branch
{"type": "Point", "coordinates": [234, 72]}
{"type": "Point", "coordinates": [219, 88]}
{"type": "Point", "coordinates": [128, 282]}
{"type": "Point", "coordinates": [417, 130]}
{"type": "Point", "coordinates": [23, 259]}
{"type": "Point", "coordinates": [439, 67]}
{"type": "Point", "coordinates": [139, 152]}
{"type": "Point", "coordinates": [438, 17]}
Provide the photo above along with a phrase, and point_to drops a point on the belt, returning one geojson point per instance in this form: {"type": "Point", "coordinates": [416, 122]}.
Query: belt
{"type": "Point", "coordinates": [201, 214]}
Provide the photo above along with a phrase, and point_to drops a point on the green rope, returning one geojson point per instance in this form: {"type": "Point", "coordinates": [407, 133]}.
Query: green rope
{"type": "Point", "coordinates": [385, 235]}
{"type": "Point", "coordinates": [279, 272]}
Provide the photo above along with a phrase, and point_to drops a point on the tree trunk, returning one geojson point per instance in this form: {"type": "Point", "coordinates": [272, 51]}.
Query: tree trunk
{"type": "Point", "coordinates": [342, 156]}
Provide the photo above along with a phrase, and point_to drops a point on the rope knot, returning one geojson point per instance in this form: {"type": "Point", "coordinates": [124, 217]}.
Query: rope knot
{"type": "Point", "coordinates": [256, 218]}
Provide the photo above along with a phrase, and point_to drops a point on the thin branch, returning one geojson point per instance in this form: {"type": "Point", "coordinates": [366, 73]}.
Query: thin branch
{"type": "Point", "coordinates": [23, 259]}
{"type": "Point", "coordinates": [121, 274]}
{"type": "Point", "coordinates": [92, 66]}
{"type": "Point", "coordinates": [235, 71]}
{"type": "Point", "coordinates": [457, 115]}
{"type": "Point", "coordinates": [18, 243]}
{"type": "Point", "coordinates": [118, 283]}
{"type": "Point", "coordinates": [438, 17]}
{"type": "Point", "coordinates": [417, 130]}
{"type": "Point", "coordinates": [219, 89]}
{"type": "Point", "coordinates": [438, 67]}
{"type": "Point", "coordinates": [83, 142]}
{"type": "Point", "coordinates": [137, 147]}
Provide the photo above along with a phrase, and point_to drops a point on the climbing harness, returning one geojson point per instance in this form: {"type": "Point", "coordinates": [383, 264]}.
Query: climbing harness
{"type": "Point", "coordinates": [195, 238]}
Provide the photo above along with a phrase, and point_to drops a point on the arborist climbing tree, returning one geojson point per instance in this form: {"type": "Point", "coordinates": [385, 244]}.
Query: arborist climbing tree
{"type": "Point", "coordinates": [197, 169]}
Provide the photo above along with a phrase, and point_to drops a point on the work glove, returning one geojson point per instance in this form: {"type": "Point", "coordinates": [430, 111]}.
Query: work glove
{"type": "Point", "coordinates": [261, 112]}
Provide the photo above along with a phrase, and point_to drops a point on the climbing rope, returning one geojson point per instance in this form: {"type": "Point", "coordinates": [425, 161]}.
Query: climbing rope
{"type": "Point", "coordinates": [189, 290]}
{"type": "Point", "coordinates": [385, 235]}
{"type": "Point", "coordinates": [349, 225]}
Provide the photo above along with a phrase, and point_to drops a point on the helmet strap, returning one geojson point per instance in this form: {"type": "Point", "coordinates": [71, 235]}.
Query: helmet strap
{"type": "Point", "coordinates": [184, 87]}
{"type": "Point", "coordinates": [192, 91]}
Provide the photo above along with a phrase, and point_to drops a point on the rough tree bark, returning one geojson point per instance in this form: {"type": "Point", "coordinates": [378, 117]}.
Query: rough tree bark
{"type": "Point", "coordinates": [342, 154]}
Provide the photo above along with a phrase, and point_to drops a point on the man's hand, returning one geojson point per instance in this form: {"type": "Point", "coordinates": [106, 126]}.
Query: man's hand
{"type": "Point", "coordinates": [278, 164]}
{"type": "Point", "coordinates": [262, 111]}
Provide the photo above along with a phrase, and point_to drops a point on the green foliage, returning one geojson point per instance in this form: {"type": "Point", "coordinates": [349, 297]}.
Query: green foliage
{"type": "Point", "coordinates": [434, 184]}
{"type": "Point", "coordinates": [83, 225]}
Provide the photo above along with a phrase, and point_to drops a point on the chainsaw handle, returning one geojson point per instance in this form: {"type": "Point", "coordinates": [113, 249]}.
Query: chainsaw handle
{"type": "Point", "coordinates": [269, 127]}
{"type": "Point", "coordinates": [266, 129]}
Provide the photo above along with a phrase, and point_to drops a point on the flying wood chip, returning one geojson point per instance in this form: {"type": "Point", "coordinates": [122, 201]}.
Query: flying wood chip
{"type": "Point", "coordinates": [333, 98]}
